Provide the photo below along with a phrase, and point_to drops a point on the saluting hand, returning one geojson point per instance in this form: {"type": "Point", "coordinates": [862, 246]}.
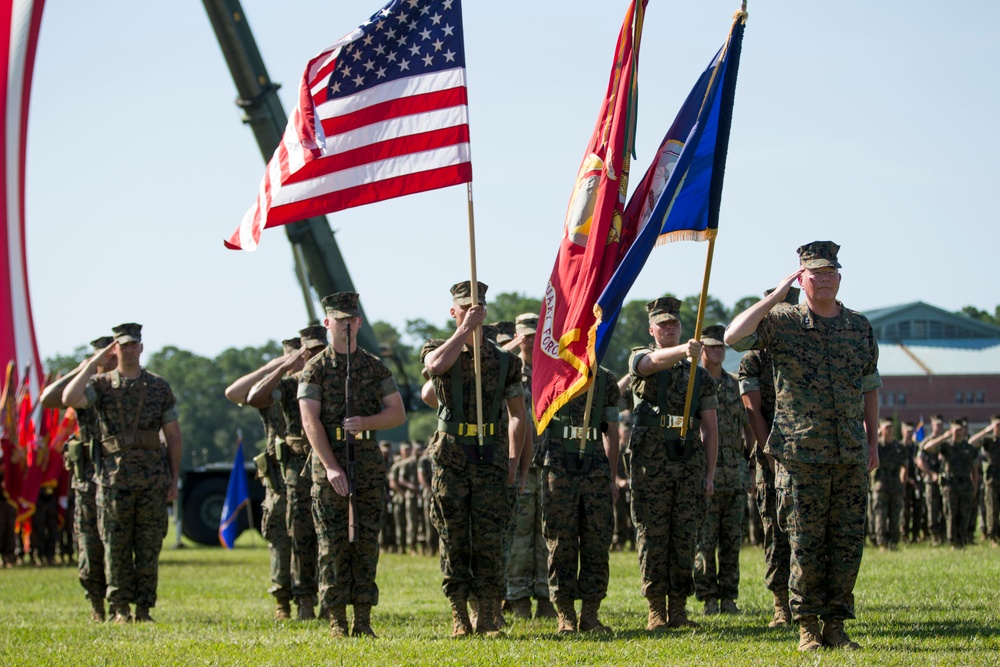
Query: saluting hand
{"type": "Point", "coordinates": [781, 291]}
{"type": "Point", "coordinates": [103, 357]}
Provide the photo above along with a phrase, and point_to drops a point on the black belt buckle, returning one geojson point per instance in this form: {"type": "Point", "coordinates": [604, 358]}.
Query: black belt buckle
{"type": "Point", "coordinates": [479, 455]}
{"type": "Point", "coordinates": [576, 464]}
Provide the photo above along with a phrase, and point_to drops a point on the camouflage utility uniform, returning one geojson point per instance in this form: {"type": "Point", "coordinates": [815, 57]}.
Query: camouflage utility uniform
{"type": "Point", "coordinates": [957, 490]}
{"type": "Point", "coordinates": [90, 549]}
{"type": "Point", "coordinates": [471, 504]}
{"type": "Point", "coordinates": [347, 569]}
{"type": "Point", "coordinates": [822, 368]}
{"type": "Point", "coordinates": [577, 507]}
{"type": "Point", "coordinates": [133, 481]}
{"type": "Point", "coordinates": [274, 520]}
{"type": "Point", "coordinates": [527, 567]}
{"type": "Point", "coordinates": [991, 450]}
{"type": "Point", "coordinates": [722, 529]}
{"type": "Point", "coordinates": [756, 374]}
{"type": "Point", "coordinates": [887, 493]}
{"type": "Point", "coordinates": [668, 496]}
{"type": "Point", "coordinates": [298, 485]}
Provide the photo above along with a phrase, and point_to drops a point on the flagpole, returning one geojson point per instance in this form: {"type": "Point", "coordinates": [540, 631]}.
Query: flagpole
{"type": "Point", "coordinates": [477, 332]}
{"type": "Point", "coordinates": [697, 334]}
{"type": "Point", "coordinates": [586, 411]}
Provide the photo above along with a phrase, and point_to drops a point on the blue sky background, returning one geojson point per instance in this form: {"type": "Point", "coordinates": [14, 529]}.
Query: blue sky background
{"type": "Point", "coordinates": [871, 124]}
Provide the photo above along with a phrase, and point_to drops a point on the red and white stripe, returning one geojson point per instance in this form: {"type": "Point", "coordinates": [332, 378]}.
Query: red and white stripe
{"type": "Point", "coordinates": [21, 19]}
{"type": "Point", "coordinates": [398, 138]}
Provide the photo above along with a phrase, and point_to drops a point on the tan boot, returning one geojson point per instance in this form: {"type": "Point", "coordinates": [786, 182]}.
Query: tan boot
{"type": "Point", "coordinates": [97, 614]}
{"type": "Point", "coordinates": [566, 613]}
{"type": "Point", "coordinates": [282, 610]}
{"type": "Point", "coordinates": [589, 622]}
{"type": "Point", "coordinates": [122, 614]}
{"type": "Point", "coordinates": [522, 608]}
{"type": "Point", "coordinates": [474, 612]}
{"type": "Point", "coordinates": [782, 612]}
{"type": "Point", "coordinates": [834, 635]}
{"type": "Point", "coordinates": [461, 626]}
{"type": "Point", "coordinates": [362, 621]}
{"type": "Point", "coordinates": [486, 622]}
{"type": "Point", "coordinates": [306, 608]}
{"type": "Point", "coordinates": [498, 619]}
{"type": "Point", "coordinates": [657, 613]}
{"type": "Point", "coordinates": [338, 621]}
{"type": "Point", "coordinates": [678, 615]}
{"type": "Point", "coordinates": [810, 636]}
{"type": "Point", "coordinates": [544, 609]}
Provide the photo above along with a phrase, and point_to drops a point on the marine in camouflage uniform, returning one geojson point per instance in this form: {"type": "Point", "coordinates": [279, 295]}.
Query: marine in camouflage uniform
{"type": "Point", "coordinates": [79, 459]}
{"type": "Point", "coordinates": [959, 479]}
{"type": "Point", "coordinates": [274, 525]}
{"type": "Point", "coordinates": [347, 564]}
{"type": "Point", "coordinates": [887, 487]}
{"type": "Point", "coordinates": [824, 437]}
{"type": "Point", "coordinates": [989, 440]}
{"type": "Point", "coordinates": [671, 477]}
{"type": "Point", "coordinates": [717, 584]}
{"type": "Point", "coordinates": [528, 565]}
{"type": "Point", "coordinates": [425, 472]}
{"type": "Point", "coordinates": [138, 476]}
{"type": "Point", "coordinates": [578, 489]}
{"type": "Point", "coordinates": [756, 376]}
{"type": "Point", "coordinates": [913, 508]}
{"type": "Point", "coordinates": [469, 490]}
{"type": "Point", "coordinates": [930, 469]}
{"type": "Point", "coordinates": [280, 387]}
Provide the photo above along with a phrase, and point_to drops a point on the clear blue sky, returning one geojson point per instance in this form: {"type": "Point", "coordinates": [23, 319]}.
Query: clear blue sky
{"type": "Point", "coordinates": [873, 124]}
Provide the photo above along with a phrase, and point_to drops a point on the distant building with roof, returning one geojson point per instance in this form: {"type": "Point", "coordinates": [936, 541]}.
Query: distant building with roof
{"type": "Point", "coordinates": [936, 362]}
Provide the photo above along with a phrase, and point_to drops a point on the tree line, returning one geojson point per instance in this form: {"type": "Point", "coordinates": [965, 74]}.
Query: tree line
{"type": "Point", "coordinates": [209, 422]}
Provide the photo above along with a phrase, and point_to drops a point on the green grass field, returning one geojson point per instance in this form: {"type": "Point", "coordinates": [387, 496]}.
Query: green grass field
{"type": "Point", "coordinates": [917, 606]}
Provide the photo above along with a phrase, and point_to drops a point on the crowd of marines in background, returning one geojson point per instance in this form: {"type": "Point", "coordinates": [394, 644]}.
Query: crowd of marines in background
{"type": "Point", "coordinates": [509, 528]}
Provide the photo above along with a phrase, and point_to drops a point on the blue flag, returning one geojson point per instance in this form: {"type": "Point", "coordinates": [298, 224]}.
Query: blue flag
{"type": "Point", "coordinates": [679, 197]}
{"type": "Point", "coordinates": [237, 496]}
{"type": "Point", "coordinates": [919, 434]}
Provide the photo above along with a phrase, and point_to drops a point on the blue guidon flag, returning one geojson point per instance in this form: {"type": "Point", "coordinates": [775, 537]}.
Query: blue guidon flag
{"type": "Point", "coordinates": [237, 497]}
{"type": "Point", "coordinates": [382, 113]}
{"type": "Point", "coordinates": [679, 197]}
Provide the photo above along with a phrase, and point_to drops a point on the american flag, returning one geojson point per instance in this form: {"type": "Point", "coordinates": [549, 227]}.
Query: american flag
{"type": "Point", "coordinates": [382, 113]}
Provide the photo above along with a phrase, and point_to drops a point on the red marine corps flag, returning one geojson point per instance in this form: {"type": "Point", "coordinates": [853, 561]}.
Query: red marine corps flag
{"type": "Point", "coordinates": [591, 247]}
{"type": "Point", "coordinates": [382, 113]}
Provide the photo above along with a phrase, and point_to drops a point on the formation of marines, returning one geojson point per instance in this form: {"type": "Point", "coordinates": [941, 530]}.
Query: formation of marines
{"type": "Point", "coordinates": [515, 514]}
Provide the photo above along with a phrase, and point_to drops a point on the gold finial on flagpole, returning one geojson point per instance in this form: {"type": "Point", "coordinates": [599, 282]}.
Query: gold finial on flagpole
{"type": "Point", "coordinates": [742, 15]}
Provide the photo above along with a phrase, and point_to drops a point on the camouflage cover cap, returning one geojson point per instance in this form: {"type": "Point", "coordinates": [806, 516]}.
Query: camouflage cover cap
{"type": "Point", "coordinates": [461, 293]}
{"type": "Point", "coordinates": [289, 345]}
{"type": "Point", "coordinates": [490, 332]}
{"type": "Point", "coordinates": [818, 254]}
{"type": "Point", "coordinates": [526, 324]}
{"type": "Point", "coordinates": [959, 421]}
{"type": "Point", "coordinates": [127, 333]}
{"type": "Point", "coordinates": [791, 298]}
{"type": "Point", "coordinates": [663, 309]}
{"type": "Point", "coordinates": [505, 331]}
{"type": "Point", "coordinates": [101, 343]}
{"type": "Point", "coordinates": [342, 304]}
{"type": "Point", "coordinates": [713, 335]}
{"type": "Point", "coordinates": [313, 336]}
{"type": "Point", "coordinates": [994, 419]}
